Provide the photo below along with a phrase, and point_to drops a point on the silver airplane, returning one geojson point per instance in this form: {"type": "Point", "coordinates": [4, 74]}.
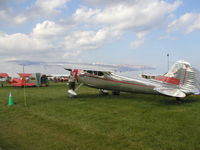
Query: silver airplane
{"type": "Point", "coordinates": [180, 81]}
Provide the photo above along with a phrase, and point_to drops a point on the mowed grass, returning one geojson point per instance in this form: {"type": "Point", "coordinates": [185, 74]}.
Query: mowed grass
{"type": "Point", "coordinates": [53, 121]}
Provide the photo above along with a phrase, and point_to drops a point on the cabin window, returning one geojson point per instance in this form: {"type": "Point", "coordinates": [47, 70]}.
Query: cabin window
{"type": "Point", "coordinates": [97, 73]}
{"type": "Point", "coordinates": [100, 73]}
{"type": "Point", "coordinates": [89, 71]}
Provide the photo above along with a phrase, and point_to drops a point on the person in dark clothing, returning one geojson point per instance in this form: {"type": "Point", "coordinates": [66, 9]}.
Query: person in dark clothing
{"type": "Point", "coordinates": [72, 81]}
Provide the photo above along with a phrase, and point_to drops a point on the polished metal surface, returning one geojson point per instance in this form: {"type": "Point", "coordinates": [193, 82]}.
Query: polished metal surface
{"type": "Point", "coordinates": [181, 80]}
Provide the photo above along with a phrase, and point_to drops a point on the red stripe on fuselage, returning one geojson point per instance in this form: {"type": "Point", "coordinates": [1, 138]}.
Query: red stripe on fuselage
{"type": "Point", "coordinates": [168, 80]}
{"type": "Point", "coordinates": [118, 81]}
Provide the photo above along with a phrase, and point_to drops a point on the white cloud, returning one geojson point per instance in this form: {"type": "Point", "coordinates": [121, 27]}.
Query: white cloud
{"type": "Point", "coordinates": [8, 16]}
{"type": "Point", "coordinates": [40, 9]}
{"type": "Point", "coordinates": [19, 19]}
{"type": "Point", "coordinates": [67, 39]}
{"type": "Point", "coordinates": [106, 2]}
{"type": "Point", "coordinates": [47, 7]}
{"type": "Point", "coordinates": [188, 22]}
{"type": "Point", "coordinates": [136, 16]}
{"type": "Point", "coordinates": [21, 43]}
{"type": "Point", "coordinates": [48, 29]}
{"type": "Point", "coordinates": [139, 41]}
{"type": "Point", "coordinates": [45, 36]}
{"type": "Point", "coordinates": [195, 25]}
{"type": "Point", "coordinates": [88, 40]}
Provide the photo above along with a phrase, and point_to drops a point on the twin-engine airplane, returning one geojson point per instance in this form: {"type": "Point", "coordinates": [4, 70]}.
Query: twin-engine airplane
{"type": "Point", "coordinates": [181, 80]}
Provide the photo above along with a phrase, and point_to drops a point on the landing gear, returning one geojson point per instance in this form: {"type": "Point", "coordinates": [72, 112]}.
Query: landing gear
{"type": "Point", "coordinates": [72, 93]}
{"type": "Point", "coordinates": [179, 101]}
{"type": "Point", "coordinates": [103, 92]}
{"type": "Point", "coordinates": [115, 92]}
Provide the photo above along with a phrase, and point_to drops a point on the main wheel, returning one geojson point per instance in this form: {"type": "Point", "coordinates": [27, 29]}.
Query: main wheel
{"type": "Point", "coordinates": [115, 92]}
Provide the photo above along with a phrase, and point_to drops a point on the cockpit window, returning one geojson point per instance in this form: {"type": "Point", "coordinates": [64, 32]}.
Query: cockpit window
{"type": "Point", "coordinates": [97, 73]}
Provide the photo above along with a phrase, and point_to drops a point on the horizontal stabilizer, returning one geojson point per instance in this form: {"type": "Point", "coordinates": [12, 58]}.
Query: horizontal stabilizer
{"type": "Point", "coordinates": [170, 92]}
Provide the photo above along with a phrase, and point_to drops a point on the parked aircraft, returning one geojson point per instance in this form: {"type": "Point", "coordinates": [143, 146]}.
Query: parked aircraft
{"type": "Point", "coordinates": [180, 81]}
{"type": "Point", "coordinates": [58, 77]}
{"type": "Point", "coordinates": [4, 77]}
{"type": "Point", "coordinates": [25, 79]}
{"type": "Point", "coordinates": [22, 82]}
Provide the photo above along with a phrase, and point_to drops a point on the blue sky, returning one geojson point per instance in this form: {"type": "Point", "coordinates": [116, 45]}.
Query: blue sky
{"type": "Point", "coordinates": [137, 32]}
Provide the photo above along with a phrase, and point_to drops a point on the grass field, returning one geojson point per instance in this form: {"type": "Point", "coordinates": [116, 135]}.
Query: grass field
{"type": "Point", "coordinates": [52, 121]}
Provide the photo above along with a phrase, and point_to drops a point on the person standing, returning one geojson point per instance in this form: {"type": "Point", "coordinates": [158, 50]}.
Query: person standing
{"type": "Point", "coordinates": [72, 81]}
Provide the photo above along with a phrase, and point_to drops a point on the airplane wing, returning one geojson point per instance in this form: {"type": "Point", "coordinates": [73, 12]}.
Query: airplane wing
{"type": "Point", "coordinates": [87, 66]}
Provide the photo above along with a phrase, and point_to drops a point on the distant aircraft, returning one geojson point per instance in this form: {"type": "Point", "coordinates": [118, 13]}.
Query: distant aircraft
{"type": "Point", "coordinates": [26, 79]}
{"type": "Point", "coordinates": [180, 81]}
{"type": "Point", "coordinates": [4, 77]}
{"type": "Point", "coordinates": [58, 77]}
{"type": "Point", "coordinates": [22, 82]}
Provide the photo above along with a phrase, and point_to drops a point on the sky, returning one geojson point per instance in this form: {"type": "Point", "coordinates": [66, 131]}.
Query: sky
{"type": "Point", "coordinates": [135, 32]}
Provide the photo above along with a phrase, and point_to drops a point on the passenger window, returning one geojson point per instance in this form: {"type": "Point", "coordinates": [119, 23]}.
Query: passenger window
{"type": "Point", "coordinates": [100, 73]}
{"type": "Point", "coordinates": [97, 73]}
{"type": "Point", "coordinates": [89, 71]}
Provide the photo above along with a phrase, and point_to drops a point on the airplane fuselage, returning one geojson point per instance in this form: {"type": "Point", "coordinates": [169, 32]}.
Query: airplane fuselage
{"type": "Point", "coordinates": [181, 80]}
{"type": "Point", "coordinates": [117, 83]}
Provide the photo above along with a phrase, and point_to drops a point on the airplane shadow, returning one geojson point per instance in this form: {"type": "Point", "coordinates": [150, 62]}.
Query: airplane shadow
{"type": "Point", "coordinates": [158, 99]}
{"type": "Point", "coordinates": [181, 102]}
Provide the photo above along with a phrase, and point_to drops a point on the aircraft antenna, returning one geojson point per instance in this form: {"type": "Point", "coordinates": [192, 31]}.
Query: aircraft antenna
{"type": "Point", "coordinates": [167, 62]}
{"type": "Point", "coordinates": [25, 101]}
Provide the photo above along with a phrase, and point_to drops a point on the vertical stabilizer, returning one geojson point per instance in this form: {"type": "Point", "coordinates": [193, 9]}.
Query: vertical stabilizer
{"type": "Point", "coordinates": [188, 76]}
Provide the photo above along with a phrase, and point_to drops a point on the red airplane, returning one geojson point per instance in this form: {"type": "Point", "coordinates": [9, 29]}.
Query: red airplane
{"type": "Point", "coordinates": [22, 82]}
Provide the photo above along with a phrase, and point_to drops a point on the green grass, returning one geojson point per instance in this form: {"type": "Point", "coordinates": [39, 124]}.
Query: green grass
{"type": "Point", "coordinates": [52, 121]}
